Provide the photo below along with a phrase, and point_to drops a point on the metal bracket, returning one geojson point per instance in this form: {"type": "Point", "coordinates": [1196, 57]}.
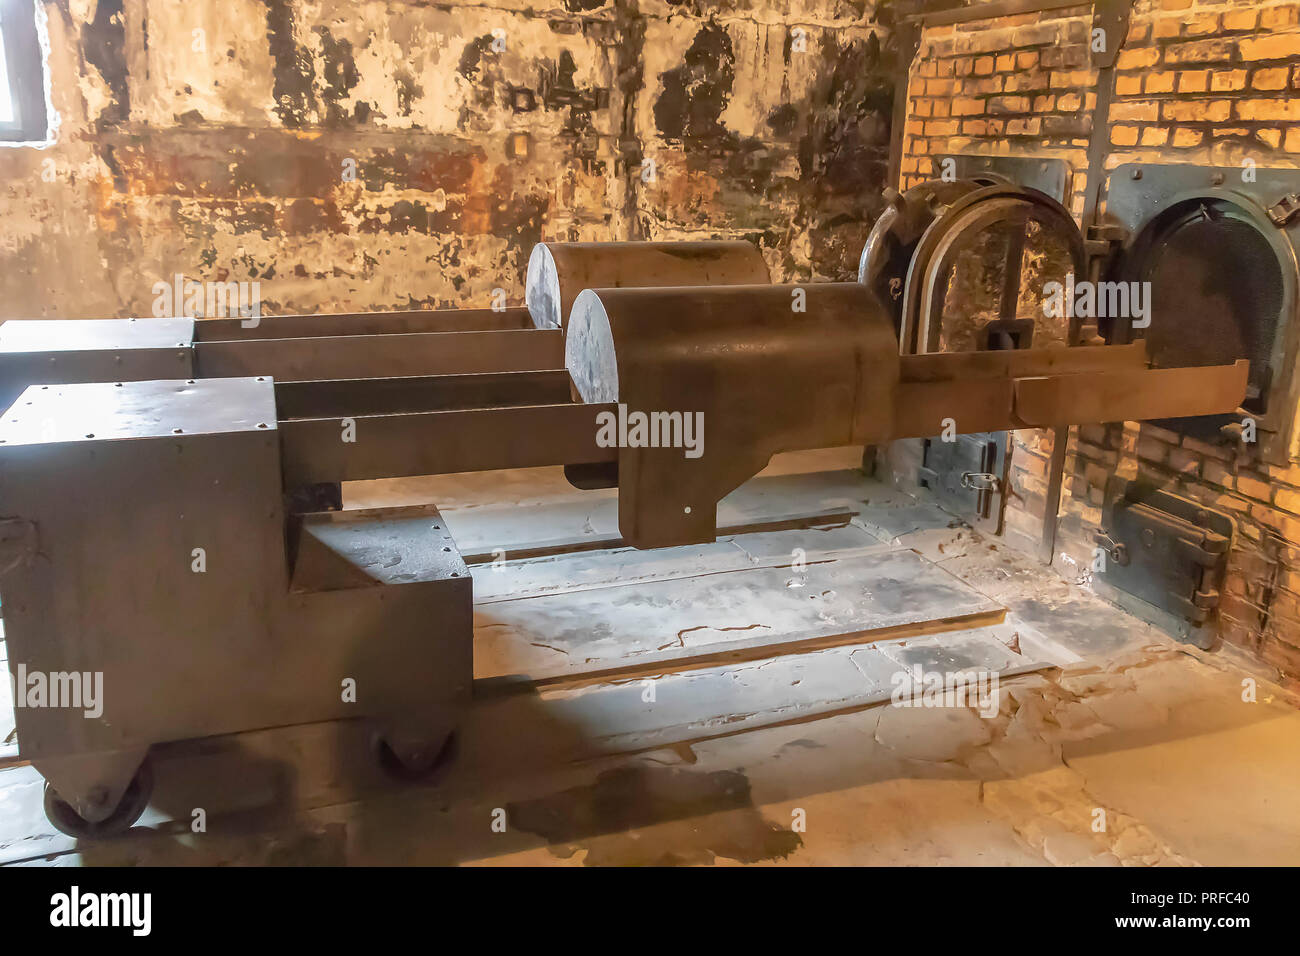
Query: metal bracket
{"type": "Point", "coordinates": [1111, 17]}
{"type": "Point", "coordinates": [907, 40]}
{"type": "Point", "coordinates": [1047, 175]}
{"type": "Point", "coordinates": [1285, 209]}
{"type": "Point", "coordinates": [1104, 239]}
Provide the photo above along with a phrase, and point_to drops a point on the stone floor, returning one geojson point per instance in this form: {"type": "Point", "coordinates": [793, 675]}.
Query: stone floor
{"type": "Point", "coordinates": [1108, 744]}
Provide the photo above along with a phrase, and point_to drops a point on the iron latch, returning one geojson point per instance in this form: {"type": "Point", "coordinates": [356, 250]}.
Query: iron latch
{"type": "Point", "coordinates": [1103, 240]}
{"type": "Point", "coordinates": [980, 481]}
{"type": "Point", "coordinates": [1117, 551]}
{"type": "Point", "coordinates": [1285, 209]}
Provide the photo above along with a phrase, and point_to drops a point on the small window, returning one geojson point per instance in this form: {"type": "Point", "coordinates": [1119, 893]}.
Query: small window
{"type": "Point", "coordinates": [22, 75]}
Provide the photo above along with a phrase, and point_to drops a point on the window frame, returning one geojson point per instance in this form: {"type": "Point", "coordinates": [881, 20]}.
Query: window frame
{"type": "Point", "coordinates": [25, 66]}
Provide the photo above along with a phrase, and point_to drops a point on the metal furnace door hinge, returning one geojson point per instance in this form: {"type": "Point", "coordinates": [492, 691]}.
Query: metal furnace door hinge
{"type": "Point", "coordinates": [1285, 209]}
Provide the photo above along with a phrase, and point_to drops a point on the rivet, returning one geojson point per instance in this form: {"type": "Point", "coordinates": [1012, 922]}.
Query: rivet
{"type": "Point", "coordinates": [261, 424]}
{"type": "Point", "coordinates": [1136, 174]}
{"type": "Point", "coordinates": [177, 431]}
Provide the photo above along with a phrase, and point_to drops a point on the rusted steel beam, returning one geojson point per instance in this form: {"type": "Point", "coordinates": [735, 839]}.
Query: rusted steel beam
{"type": "Point", "coordinates": [422, 393]}
{"type": "Point", "coordinates": [361, 323]}
{"type": "Point", "coordinates": [1066, 397]}
{"type": "Point", "coordinates": [1020, 363]}
{"type": "Point", "coordinates": [923, 409]}
{"type": "Point", "coordinates": [382, 356]}
{"type": "Point", "coordinates": [313, 451]}
{"type": "Point", "coordinates": [1131, 395]}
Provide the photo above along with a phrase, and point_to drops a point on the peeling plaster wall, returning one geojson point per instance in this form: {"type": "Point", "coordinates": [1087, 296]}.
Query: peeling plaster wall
{"type": "Point", "coordinates": [214, 139]}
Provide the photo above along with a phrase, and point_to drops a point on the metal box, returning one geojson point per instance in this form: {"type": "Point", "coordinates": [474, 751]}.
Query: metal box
{"type": "Point", "coordinates": [146, 546]}
{"type": "Point", "coordinates": [63, 351]}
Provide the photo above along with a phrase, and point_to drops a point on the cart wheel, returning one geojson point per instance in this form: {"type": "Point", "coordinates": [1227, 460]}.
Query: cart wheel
{"type": "Point", "coordinates": [416, 768]}
{"type": "Point", "coordinates": [133, 803]}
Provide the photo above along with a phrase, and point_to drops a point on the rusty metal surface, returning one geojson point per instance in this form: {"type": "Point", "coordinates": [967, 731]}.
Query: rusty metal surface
{"type": "Point", "coordinates": [382, 356]}
{"type": "Point", "coordinates": [1123, 394]}
{"type": "Point", "coordinates": [1131, 395]}
{"type": "Point", "coordinates": [1020, 363]}
{"type": "Point", "coordinates": [337, 398]}
{"type": "Point", "coordinates": [1166, 550]}
{"type": "Point", "coordinates": [204, 463]}
{"type": "Point", "coordinates": [95, 466]}
{"type": "Point", "coordinates": [968, 476]}
{"type": "Point", "coordinates": [976, 390]}
{"type": "Point", "coordinates": [57, 352]}
{"type": "Point", "coordinates": [435, 443]}
{"type": "Point", "coordinates": [1048, 175]}
{"type": "Point", "coordinates": [559, 271]}
{"type": "Point", "coordinates": [764, 377]}
{"type": "Point", "coordinates": [173, 467]}
{"type": "Point", "coordinates": [892, 241]}
{"type": "Point", "coordinates": [1207, 222]}
{"type": "Point", "coordinates": [360, 323]}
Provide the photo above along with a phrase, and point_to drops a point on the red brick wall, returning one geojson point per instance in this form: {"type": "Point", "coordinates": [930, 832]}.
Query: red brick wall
{"type": "Point", "coordinates": [1211, 83]}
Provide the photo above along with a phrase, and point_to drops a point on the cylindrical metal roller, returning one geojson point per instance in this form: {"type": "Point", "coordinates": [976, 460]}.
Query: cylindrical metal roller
{"type": "Point", "coordinates": [754, 369]}
{"type": "Point", "coordinates": [558, 271]}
